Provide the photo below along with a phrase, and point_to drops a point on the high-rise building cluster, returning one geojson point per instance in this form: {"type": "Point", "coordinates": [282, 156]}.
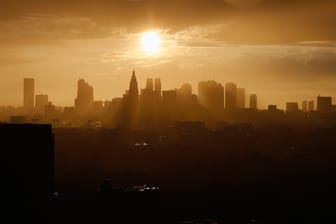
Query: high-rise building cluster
{"type": "Point", "coordinates": [152, 107]}
{"type": "Point", "coordinates": [32, 102]}
{"type": "Point", "coordinates": [324, 105]}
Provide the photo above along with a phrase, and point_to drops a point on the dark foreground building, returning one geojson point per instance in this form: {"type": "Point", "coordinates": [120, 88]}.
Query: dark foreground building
{"type": "Point", "coordinates": [27, 167]}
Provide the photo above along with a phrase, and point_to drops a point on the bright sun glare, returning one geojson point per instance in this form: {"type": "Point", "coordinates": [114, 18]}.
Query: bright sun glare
{"type": "Point", "coordinates": [151, 43]}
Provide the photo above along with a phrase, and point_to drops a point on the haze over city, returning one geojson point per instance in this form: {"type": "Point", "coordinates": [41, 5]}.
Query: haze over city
{"type": "Point", "coordinates": [168, 111]}
{"type": "Point", "coordinates": [281, 50]}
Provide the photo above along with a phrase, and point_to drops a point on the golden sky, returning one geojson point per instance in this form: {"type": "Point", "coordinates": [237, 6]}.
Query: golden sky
{"type": "Point", "coordinates": [282, 50]}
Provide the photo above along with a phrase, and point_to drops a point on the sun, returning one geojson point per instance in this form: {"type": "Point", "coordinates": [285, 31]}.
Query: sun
{"type": "Point", "coordinates": [151, 43]}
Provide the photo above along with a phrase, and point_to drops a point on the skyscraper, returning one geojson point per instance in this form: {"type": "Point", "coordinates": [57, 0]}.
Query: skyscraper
{"type": "Point", "coordinates": [133, 87]}
{"type": "Point", "coordinates": [211, 96]}
{"type": "Point", "coordinates": [240, 98]}
{"type": "Point", "coordinates": [272, 108]}
{"type": "Point", "coordinates": [185, 91]}
{"type": "Point", "coordinates": [149, 84]}
{"type": "Point", "coordinates": [324, 104]}
{"type": "Point", "coordinates": [157, 85]}
{"type": "Point", "coordinates": [28, 93]}
{"type": "Point", "coordinates": [40, 102]}
{"type": "Point", "coordinates": [253, 101]}
{"type": "Point", "coordinates": [292, 107]}
{"type": "Point", "coordinates": [150, 99]}
{"type": "Point", "coordinates": [304, 106]}
{"type": "Point", "coordinates": [169, 103]}
{"type": "Point", "coordinates": [169, 98]}
{"type": "Point", "coordinates": [129, 106]}
{"type": "Point", "coordinates": [84, 99]}
{"type": "Point", "coordinates": [184, 96]}
{"type": "Point", "coordinates": [230, 96]}
{"type": "Point", "coordinates": [310, 106]}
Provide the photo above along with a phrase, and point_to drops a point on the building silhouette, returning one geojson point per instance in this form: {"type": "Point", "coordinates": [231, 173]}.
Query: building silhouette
{"type": "Point", "coordinates": [324, 104]}
{"type": "Point", "coordinates": [253, 102]}
{"type": "Point", "coordinates": [113, 108]}
{"type": "Point", "coordinates": [169, 98]}
{"type": "Point", "coordinates": [305, 106]}
{"type": "Point", "coordinates": [292, 107]}
{"type": "Point", "coordinates": [27, 164]}
{"type": "Point", "coordinates": [127, 117]}
{"type": "Point", "coordinates": [18, 119]}
{"type": "Point", "coordinates": [169, 105]}
{"type": "Point", "coordinates": [50, 111]}
{"type": "Point", "coordinates": [157, 85]}
{"type": "Point", "coordinates": [149, 84]}
{"type": "Point", "coordinates": [240, 98]}
{"type": "Point", "coordinates": [272, 108]}
{"type": "Point", "coordinates": [185, 96]}
{"type": "Point", "coordinates": [41, 101]}
{"type": "Point", "coordinates": [28, 93]}
{"type": "Point", "coordinates": [230, 96]}
{"type": "Point", "coordinates": [185, 90]}
{"type": "Point", "coordinates": [84, 99]}
{"type": "Point", "coordinates": [310, 106]}
{"type": "Point", "coordinates": [68, 113]}
{"type": "Point", "coordinates": [133, 87]}
{"type": "Point", "coordinates": [150, 99]}
{"type": "Point", "coordinates": [97, 108]}
{"type": "Point", "coordinates": [211, 96]}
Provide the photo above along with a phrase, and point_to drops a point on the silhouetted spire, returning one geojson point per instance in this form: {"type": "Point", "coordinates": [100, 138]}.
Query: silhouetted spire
{"type": "Point", "coordinates": [133, 89]}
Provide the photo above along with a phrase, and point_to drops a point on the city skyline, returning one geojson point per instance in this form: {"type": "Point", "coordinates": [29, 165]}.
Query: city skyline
{"type": "Point", "coordinates": [210, 94]}
{"type": "Point", "coordinates": [195, 90]}
{"type": "Point", "coordinates": [168, 111]}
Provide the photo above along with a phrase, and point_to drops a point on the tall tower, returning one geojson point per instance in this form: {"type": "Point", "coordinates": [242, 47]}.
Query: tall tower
{"type": "Point", "coordinates": [324, 104]}
{"type": "Point", "coordinates": [310, 106]}
{"type": "Point", "coordinates": [253, 101]}
{"type": "Point", "coordinates": [305, 106]}
{"type": "Point", "coordinates": [149, 84]}
{"type": "Point", "coordinates": [157, 85]}
{"type": "Point", "coordinates": [28, 93]}
{"type": "Point", "coordinates": [129, 105]}
{"type": "Point", "coordinates": [211, 96]}
{"type": "Point", "coordinates": [133, 88]}
{"type": "Point", "coordinates": [240, 98]}
{"type": "Point", "coordinates": [84, 99]}
{"type": "Point", "coordinates": [230, 96]}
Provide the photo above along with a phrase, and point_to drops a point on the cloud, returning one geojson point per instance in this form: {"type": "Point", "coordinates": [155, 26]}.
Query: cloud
{"type": "Point", "coordinates": [40, 29]}
{"type": "Point", "coordinates": [243, 3]}
{"type": "Point", "coordinates": [261, 22]}
{"type": "Point", "coordinates": [12, 59]}
{"type": "Point", "coordinates": [281, 22]}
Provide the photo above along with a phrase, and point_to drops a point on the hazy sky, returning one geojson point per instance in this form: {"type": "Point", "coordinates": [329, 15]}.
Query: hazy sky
{"type": "Point", "coordinates": [282, 50]}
